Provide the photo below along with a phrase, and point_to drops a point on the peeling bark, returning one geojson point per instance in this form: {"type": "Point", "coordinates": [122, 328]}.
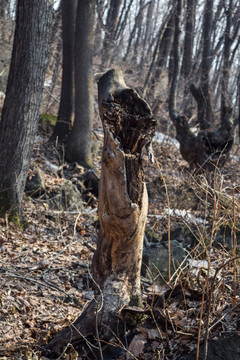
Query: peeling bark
{"type": "Point", "coordinates": [128, 129]}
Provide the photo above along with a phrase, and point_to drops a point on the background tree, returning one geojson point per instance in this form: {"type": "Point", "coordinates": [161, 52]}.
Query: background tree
{"type": "Point", "coordinates": [23, 98]}
{"type": "Point", "coordinates": [202, 95]}
{"type": "Point", "coordinates": [54, 58]}
{"type": "Point", "coordinates": [209, 148]}
{"type": "Point", "coordinates": [79, 142]}
{"type": "Point", "coordinates": [110, 30]}
{"type": "Point", "coordinates": [188, 38]}
{"type": "Point", "coordinates": [161, 53]}
{"type": "Point", "coordinates": [66, 108]}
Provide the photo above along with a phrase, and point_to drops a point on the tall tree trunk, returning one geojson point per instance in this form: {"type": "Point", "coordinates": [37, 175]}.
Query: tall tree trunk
{"type": "Point", "coordinates": [111, 26]}
{"type": "Point", "coordinates": [128, 128]}
{"type": "Point", "coordinates": [202, 94]}
{"type": "Point", "coordinates": [168, 22]}
{"type": "Point", "coordinates": [65, 112]}
{"type": "Point", "coordinates": [23, 98]}
{"type": "Point", "coordinates": [136, 29]}
{"type": "Point", "coordinates": [225, 103]}
{"type": "Point", "coordinates": [148, 32]}
{"type": "Point", "coordinates": [188, 40]}
{"type": "Point", "coordinates": [79, 142]}
{"type": "Point", "coordinates": [98, 27]}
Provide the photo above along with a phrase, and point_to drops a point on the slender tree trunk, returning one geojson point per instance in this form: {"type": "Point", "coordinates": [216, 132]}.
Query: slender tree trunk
{"type": "Point", "coordinates": [136, 29]}
{"type": "Point", "coordinates": [111, 25]}
{"type": "Point", "coordinates": [188, 40]}
{"type": "Point", "coordinates": [148, 30]}
{"type": "Point", "coordinates": [65, 112]}
{"type": "Point", "coordinates": [79, 142]}
{"type": "Point", "coordinates": [98, 27]}
{"type": "Point", "coordinates": [156, 59]}
{"type": "Point", "coordinates": [202, 94]}
{"type": "Point", "coordinates": [23, 98]}
{"type": "Point", "coordinates": [225, 103]}
{"type": "Point", "coordinates": [128, 128]}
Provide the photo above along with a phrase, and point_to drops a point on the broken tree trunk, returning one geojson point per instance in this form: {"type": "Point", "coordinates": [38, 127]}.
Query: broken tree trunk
{"type": "Point", "coordinates": [128, 128]}
{"type": "Point", "coordinates": [209, 149]}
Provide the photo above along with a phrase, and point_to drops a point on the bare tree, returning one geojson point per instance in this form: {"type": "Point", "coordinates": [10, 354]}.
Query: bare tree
{"type": "Point", "coordinates": [161, 52]}
{"type": "Point", "coordinates": [78, 146]}
{"type": "Point", "coordinates": [22, 103]}
{"type": "Point", "coordinates": [188, 39]}
{"type": "Point", "coordinates": [110, 30]}
{"type": "Point", "coordinates": [65, 112]}
{"type": "Point", "coordinates": [202, 94]}
{"type": "Point", "coordinates": [55, 58]}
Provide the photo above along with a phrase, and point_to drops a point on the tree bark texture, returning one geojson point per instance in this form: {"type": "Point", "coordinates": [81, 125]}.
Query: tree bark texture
{"type": "Point", "coordinates": [65, 112]}
{"type": "Point", "coordinates": [79, 142]}
{"type": "Point", "coordinates": [23, 98]}
{"type": "Point", "coordinates": [128, 128]}
{"type": "Point", "coordinates": [204, 101]}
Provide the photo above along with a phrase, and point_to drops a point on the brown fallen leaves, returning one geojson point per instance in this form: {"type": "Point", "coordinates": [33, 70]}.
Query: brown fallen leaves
{"type": "Point", "coordinates": [45, 270]}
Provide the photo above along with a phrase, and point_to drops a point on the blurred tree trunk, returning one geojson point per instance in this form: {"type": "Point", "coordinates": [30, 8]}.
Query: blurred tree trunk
{"type": "Point", "coordinates": [188, 39]}
{"type": "Point", "coordinates": [210, 148]}
{"type": "Point", "coordinates": [3, 8]}
{"type": "Point", "coordinates": [225, 102]}
{"type": "Point", "coordinates": [161, 52]}
{"type": "Point", "coordinates": [55, 58]}
{"type": "Point", "coordinates": [65, 112]}
{"type": "Point", "coordinates": [78, 146]}
{"type": "Point", "coordinates": [148, 32]}
{"type": "Point", "coordinates": [202, 94]}
{"type": "Point", "coordinates": [110, 30]}
{"type": "Point", "coordinates": [4, 15]}
{"type": "Point", "coordinates": [98, 27]}
{"type": "Point", "coordinates": [137, 29]}
{"type": "Point", "coordinates": [128, 128]}
{"type": "Point", "coordinates": [23, 98]}
{"type": "Point", "coordinates": [187, 57]}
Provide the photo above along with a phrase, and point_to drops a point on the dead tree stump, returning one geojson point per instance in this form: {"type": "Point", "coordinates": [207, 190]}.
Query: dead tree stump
{"type": "Point", "coordinates": [123, 203]}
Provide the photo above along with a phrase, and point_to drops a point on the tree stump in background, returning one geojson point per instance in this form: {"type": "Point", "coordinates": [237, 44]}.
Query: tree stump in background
{"type": "Point", "coordinates": [209, 149]}
{"type": "Point", "coordinates": [123, 203]}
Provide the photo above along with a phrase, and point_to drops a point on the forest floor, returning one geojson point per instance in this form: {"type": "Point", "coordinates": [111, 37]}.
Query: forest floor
{"type": "Point", "coordinates": [46, 267]}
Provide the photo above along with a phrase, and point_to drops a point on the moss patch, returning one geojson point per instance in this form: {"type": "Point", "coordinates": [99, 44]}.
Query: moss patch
{"type": "Point", "coordinates": [48, 119]}
{"type": "Point", "coordinates": [47, 123]}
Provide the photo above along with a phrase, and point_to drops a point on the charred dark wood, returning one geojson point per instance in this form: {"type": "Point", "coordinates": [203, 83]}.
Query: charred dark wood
{"type": "Point", "coordinates": [204, 106]}
{"type": "Point", "coordinates": [209, 148]}
{"type": "Point", "coordinates": [128, 129]}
